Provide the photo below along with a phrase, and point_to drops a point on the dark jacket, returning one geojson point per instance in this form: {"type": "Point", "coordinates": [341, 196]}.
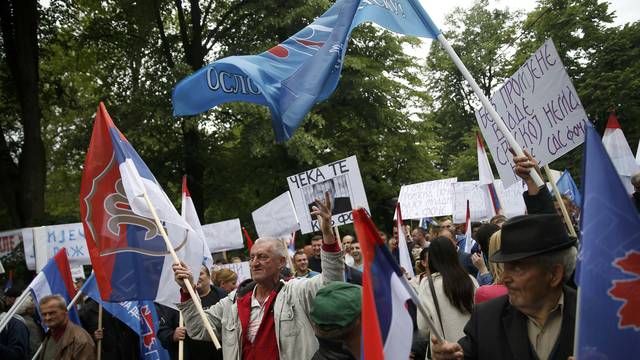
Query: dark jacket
{"type": "Point", "coordinates": [75, 344]}
{"type": "Point", "coordinates": [541, 203]}
{"type": "Point", "coordinates": [467, 264]}
{"type": "Point", "coordinates": [498, 331]}
{"type": "Point", "coordinates": [332, 350]}
{"type": "Point", "coordinates": [315, 264]}
{"type": "Point", "coordinates": [14, 341]}
{"type": "Point", "coordinates": [352, 275]}
{"type": "Point", "coordinates": [193, 349]}
{"type": "Point", "coordinates": [119, 341]}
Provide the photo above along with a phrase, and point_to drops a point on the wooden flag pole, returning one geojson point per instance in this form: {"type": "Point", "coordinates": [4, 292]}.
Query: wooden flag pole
{"type": "Point", "coordinates": [487, 105]}
{"type": "Point", "coordinates": [556, 193]}
{"type": "Point", "coordinates": [188, 285]}
{"type": "Point", "coordinates": [99, 345]}
{"type": "Point", "coordinates": [181, 342]}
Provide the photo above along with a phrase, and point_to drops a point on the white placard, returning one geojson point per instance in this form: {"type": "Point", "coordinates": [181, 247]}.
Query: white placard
{"type": "Point", "coordinates": [427, 199]}
{"type": "Point", "coordinates": [48, 240]}
{"type": "Point", "coordinates": [8, 241]}
{"type": "Point", "coordinates": [29, 250]}
{"type": "Point", "coordinates": [511, 199]}
{"type": "Point", "coordinates": [276, 218]}
{"type": "Point", "coordinates": [480, 206]}
{"type": "Point", "coordinates": [241, 268]}
{"type": "Point", "coordinates": [342, 179]}
{"type": "Point", "coordinates": [542, 110]}
{"type": "Point", "coordinates": [223, 235]}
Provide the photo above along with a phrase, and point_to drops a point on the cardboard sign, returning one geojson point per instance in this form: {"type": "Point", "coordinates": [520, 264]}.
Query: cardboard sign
{"type": "Point", "coordinates": [223, 235]}
{"type": "Point", "coordinates": [48, 240]}
{"type": "Point", "coordinates": [276, 218]}
{"type": "Point", "coordinates": [427, 199]}
{"type": "Point", "coordinates": [542, 110]}
{"type": "Point", "coordinates": [241, 268]}
{"type": "Point", "coordinates": [341, 179]}
{"type": "Point", "coordinates": [480, 206]}
{"type": "Point", "coordinates": [8, 241]}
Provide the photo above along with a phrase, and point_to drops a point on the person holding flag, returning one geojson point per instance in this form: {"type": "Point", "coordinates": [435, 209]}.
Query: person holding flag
{"type": "Point", "coordinates": [266, 317]}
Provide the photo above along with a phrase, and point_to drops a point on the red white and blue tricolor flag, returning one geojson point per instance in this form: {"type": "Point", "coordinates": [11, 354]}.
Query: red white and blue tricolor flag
{"type": "Point", "coordinates": [140, 316]}
{"type": "Point", "coordinates": [485, 175]}
{"type": "Point", "coordinates": [608, 319]}
{"type": "Point", "coordinates": [55, 279]}
{"type": "Point", "coordinates": [291, 77]}
{"type": "Point", "coordinates": [386, 324]}
{"type": "Point", "coordinates": [127, 250]}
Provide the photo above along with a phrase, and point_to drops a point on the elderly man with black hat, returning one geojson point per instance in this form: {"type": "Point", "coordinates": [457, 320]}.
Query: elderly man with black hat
{"type": "Point", "coordinates": [536, 319]}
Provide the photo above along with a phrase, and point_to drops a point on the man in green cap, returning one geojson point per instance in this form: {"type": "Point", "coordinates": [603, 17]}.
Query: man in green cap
{"type": "Point", "coordinates": [335, 316]}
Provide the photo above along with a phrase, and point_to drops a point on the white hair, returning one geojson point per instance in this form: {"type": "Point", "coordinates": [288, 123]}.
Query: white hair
{"type": "Point", "coordinates": [565, 257]}
{"type": "Point", "coordinates": [278, 245]}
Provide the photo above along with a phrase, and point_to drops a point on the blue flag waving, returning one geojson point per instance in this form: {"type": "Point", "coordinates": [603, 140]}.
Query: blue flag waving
{"type": "Point", "coordinates": [609, 275]}
{"type": "Point", "coordinates": [293, 76]}
{"type": "Point", "coordinates": [568, 187]}
{"type": "Point", "coordinates": [140, 316]}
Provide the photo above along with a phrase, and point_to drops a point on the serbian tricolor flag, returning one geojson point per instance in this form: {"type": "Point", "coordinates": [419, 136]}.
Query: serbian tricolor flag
{"type": "Point", "coordinates": [127, 250]}
{"type": "Point", "coordinates": [190, 215]}
{"type": "Point", "coordinates": [620, 152]}
{"type": "Point", "coordinates": [386, 324]}
{"type": "Point", "coordinates": [403, 249]}
{"type": "Point", "coordinates": [485, 175]}
{"type": "Point", "coordinates": [55, 279]}
{"type": "Point", "coordinates": [469, 243]}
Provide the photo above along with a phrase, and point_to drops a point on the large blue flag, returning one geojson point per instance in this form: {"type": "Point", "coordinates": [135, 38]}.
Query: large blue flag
{"type": "Point", "coordinates": [568, 187]}
{"type": "Point", "coordinates": [609, 274]}
{"type": "Point", "coordinates": [140, 316]}
{"type": "Point", "coordinates": [293, 76]}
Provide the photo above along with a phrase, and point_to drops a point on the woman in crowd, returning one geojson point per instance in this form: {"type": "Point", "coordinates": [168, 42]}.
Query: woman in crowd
{"type": "Point", "coordinates": [488, 292]}
{"type": "Point", "coordinates": [447, 292]}
{"type": "Point", "coordinates": [226, 279]}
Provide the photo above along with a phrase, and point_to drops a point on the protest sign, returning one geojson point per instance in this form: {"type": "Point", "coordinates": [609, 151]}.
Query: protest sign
{"type": "Point", "coordinates": [479, 201]}
{"type": "Point", "coordinates": [29, 250]}
{"type": "Point", "coordinates": [511, 198]}
{"type": "Point", "coordinates": [427, 199]}
{"type": "Point", "coordinates": [8, 241]}
{"type": "Point", "coordinates": [240, 268]}
{"type": "Point", "coordinates": [342, 179]}
{"type": "Point", "coordinates": [276, 218]}
{"type": "Point", "coordinates": [542, 110]}
{"type": "Point", "coordinates": [223, 235]}
{"type": "Point", "coordinates": [48, 240]}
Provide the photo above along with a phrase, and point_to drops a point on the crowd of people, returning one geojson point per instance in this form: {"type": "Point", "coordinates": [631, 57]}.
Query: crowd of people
{"type": "Point", "coordinates": [509, 294]}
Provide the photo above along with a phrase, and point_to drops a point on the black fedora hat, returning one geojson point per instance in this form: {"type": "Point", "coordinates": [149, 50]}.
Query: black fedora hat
{"type": "Point", "coordinates": [530, 235]}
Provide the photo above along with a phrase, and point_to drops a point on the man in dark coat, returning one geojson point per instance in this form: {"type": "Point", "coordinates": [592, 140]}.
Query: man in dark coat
{"type": "Point", "coordinates": [119, 341]}
{"type": "Point", "coordinates": [170, 333]}
{"type": "Point", "coordinates": [536, 319]}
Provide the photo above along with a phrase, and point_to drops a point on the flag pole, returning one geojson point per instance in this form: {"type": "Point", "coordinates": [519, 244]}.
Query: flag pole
{"type": "Point", "coordinates": [487, 105]}
{"type": "Point", "coordinates": [187, 283]}
{"type": "Point", "coordinates": [556, 193]}
{"type": "Point", "coordinates": [99, 344]}
{"type": "Point", "coordinates": [181, 342]}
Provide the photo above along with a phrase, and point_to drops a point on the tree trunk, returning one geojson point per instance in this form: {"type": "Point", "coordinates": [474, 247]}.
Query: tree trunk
{"type": "Point", "coordinates": [19, 22]}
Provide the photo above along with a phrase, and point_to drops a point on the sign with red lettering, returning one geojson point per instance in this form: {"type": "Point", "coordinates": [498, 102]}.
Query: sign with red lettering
{"type": "Point", "coordinates": [341, 179]}
{"type": "Point", "coordinates": [542, 110]}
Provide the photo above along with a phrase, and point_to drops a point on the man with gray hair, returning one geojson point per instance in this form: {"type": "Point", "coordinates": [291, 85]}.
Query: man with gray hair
{"type": "Point", "coordinates": [536, 319]}
{"type": "Point", "coordinates": [64, 340]}
{"type": "Point", "coordinates": [266, 317]}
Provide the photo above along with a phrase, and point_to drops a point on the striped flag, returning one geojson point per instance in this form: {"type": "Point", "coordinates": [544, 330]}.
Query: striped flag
{"type": "Point", "coordinates": [620, 152]}
{"type": "Point", "coordinates": [405, 258]}
{"type": "Point", "coordinates": [485, 175]}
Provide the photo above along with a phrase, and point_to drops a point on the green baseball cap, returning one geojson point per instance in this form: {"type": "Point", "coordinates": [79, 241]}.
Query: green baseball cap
{"type": "Point", "coordinates": [337, 304]}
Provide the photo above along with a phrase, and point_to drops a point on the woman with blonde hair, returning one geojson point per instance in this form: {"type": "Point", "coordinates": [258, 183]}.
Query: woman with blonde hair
{"type": "Point", "coordinates": [496, 289]}
{"type": "Point", "coordinates": [226, 279]}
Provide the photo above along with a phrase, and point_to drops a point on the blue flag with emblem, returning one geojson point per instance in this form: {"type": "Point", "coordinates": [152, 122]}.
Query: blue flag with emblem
{"type": "Point", "coordinates": [568, 187]}
{"type": "Point", "coordinates": [291, 77]}
{"type": "Point", "coordinates": [140, 316]}
{"type": "Point", "coordinates": [608, 319]}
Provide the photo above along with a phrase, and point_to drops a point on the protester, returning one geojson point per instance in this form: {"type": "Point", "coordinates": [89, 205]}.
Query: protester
{"type": "Point", "coordinates": [497, 288]}
{"type": "Point", "coordinates": [536, 200]}
{"type": "Point", "coordinates": [170, 332]}
{"type": "Point", "coordinates": [11, 295]}
{"type": "Point", "coordinates": [419, 237]}
{"type": "Point", "coordinates": [335, 316]}
{"type": "Point", "coordinates": [28, 312]}
{"type": "Point", "coordinates": [315, 263]}
{"type": "Point", "coordinates": [301, 266]}
{"type": "Point", "coordinates": [358, 260]}
{"type": "Point", "coordinates": [226, 279]}
{"type": "Point", "coordinates": [536, 318]}
{"type": "Point", "coordinates": [346, 247]}
{"type": "Point", "coordinates": [14, 338]}
{"type": "Point", "coordinates": [483, 235]}
{"type": "Point", "coordinates": [246, 320]}
{"type": "Point", "coordinates": [463, 257]}
{"type": "Point", "coordinates": [447, 292]}
{"type": "Point", "coordinates": [119, 341]}
{"type": "Point", "coordinates": [422, 268]}
{"type": "Point", "coordinates": [635, 181]}
{"type": "Point", "coordinates": [498, 220]}
{"type": "Point", "coordinates": [64, 340]}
